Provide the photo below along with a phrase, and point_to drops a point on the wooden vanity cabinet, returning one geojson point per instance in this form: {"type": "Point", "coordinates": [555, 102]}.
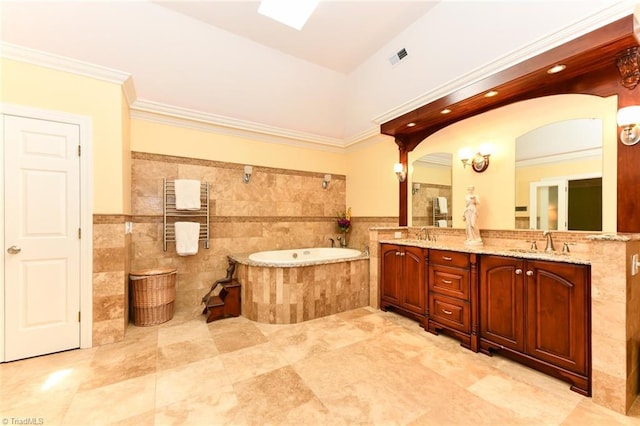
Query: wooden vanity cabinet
{"type": "Point", "coordinates": [402, 280]}
{"type": "Point", "coordinates": [452, 296]}
{"type": "Point", "coordinates": [538, 313]}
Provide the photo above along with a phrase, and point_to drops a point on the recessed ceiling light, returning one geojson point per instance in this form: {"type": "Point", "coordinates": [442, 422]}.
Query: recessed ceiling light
{"type": "Point", "coordinates": [445, 111]}
{"type": "Point", "coordinates": [556, 68]}
{"type": "Point", "coordinates": [411, 124]}
{"type": "Point", "coordinates": [292, 13]}
{"type": "Point", "coordinates": [490, 94]}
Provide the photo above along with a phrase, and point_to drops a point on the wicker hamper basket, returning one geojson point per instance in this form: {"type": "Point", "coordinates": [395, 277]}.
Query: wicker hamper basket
{"type": "Point", "coordinates": [153, 293]}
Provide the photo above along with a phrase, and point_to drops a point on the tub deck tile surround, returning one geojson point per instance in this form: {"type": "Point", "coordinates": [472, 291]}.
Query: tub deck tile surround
{"type": "Point", "coordinates": [278, 294]}
{"type": "Point", "coordinates": [615, 295]}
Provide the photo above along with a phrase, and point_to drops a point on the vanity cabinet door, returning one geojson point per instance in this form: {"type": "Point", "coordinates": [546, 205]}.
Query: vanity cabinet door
{"type": "Point", "coordinates": [402, 279]}
{"type": "Point", "coordinates": [390, 274]}
{"type": "Point", "coordinates": [502, 301]}
{"type": "Point", "coordinates": [413, 294]}
{"type": "Point", "coordinates": [557, 312]}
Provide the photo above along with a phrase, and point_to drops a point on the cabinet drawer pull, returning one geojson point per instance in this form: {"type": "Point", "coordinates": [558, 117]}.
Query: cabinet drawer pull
{"type": "Point", "coordinates": [529, 273]}
{"type": "Point", "coordinates": [447, 258]}
{"type": "Point", "coordinates": [447, 312]}
{"type": "Point", "coordinates": [518, 271]}
{"type": "Point", "coordinates": [447, 281]}
{"type": "Point", "coordinates": [398, 253]}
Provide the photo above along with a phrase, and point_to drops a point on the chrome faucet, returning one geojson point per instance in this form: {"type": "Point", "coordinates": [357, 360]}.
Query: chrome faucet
{"type": "Point", "coordinates": [343, 241]}
{"type": "Point", "coordinates": [549, 246]}
{"type": "Point", "coordinates": [423, 234]}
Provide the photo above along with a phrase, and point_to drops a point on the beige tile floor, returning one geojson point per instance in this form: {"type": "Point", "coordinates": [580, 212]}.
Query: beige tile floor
{"type": "Point", "coordinates": [359, 367]}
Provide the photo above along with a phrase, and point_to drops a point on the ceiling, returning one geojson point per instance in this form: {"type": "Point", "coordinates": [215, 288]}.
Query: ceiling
{"type": "Point", "coordinates": [339, 35]}
{"type": "Point", "coordinates": [327, 86]}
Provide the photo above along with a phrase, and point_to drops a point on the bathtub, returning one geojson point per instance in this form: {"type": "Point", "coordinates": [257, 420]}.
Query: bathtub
{"type": "Point", "coordinates": [292, 286]}
{"type": "Point", "coordinates": [295, 257]}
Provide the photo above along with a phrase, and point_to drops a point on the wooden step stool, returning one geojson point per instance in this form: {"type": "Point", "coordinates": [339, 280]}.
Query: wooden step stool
{"type": "Point", "coordinates": [225, 304]}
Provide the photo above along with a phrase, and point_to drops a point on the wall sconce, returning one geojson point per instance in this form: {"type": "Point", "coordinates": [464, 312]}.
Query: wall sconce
{"type": "Point", "coordinates": [246, 177]}
{"type": "Point", "coordinates": [628, 120]}
{"type": "Point", "coordinates": [325, 181]}
{"type": "Point", "coordinates": [416, 188]}
{"type": "Point", "coordinates": [479, 161]}
{"type": "Point", "coordinates": [400, 171]}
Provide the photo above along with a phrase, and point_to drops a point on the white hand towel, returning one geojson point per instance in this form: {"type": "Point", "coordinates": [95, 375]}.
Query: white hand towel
{"type": "Point", "coordinates": [442, 204]}
{"type": "Point", "coordinates": [187, 236]}
{"type": "Point", "coordinates": [442, 223]}
{"type": "Point", "coordinates": [187, 194]}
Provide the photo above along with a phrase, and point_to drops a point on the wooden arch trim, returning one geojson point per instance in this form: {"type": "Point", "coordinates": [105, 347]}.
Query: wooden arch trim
{"type": "Point", "coordinates": [591, 69]}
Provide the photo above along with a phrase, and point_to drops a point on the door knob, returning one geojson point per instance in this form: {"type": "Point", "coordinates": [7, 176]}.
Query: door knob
{"type": "Point", "coordinates": [529, 273]}
{"type": "Point", "coordinates": [518, 271]}
{"type": "Point", "coordinates": [14, 250]}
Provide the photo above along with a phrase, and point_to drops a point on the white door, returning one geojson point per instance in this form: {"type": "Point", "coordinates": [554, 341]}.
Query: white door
{"type": "Point", "coordinates": [42, 242]}
{"type": "Point", "coordinates": [548, 203]}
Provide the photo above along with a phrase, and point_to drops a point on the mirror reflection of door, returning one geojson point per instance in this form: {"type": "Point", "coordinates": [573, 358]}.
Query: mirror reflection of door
{"type": "Point", "coordinates": [431, 193]}
{"type": "Point", "coordinates": [548, 205]}
{"type": "Point", "coordinates": [572, 203]}
{"type": "Point", "coordinates": [567, 151]}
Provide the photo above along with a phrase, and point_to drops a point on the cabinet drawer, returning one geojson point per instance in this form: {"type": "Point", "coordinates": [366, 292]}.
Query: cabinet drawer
{"type": "Point", "coordinates": [450, 312]}
{"type": "Point", "coordinates": [452, 282]}
{"type": "Point", "coordinates": [449, 258]}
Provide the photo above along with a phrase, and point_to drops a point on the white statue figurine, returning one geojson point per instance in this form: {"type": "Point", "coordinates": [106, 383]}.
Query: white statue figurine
{"type": "Point", "coordinates": [470, 216]}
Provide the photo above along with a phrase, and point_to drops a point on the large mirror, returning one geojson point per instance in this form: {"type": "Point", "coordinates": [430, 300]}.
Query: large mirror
{"type": "Point", "coordinates": [571, 138]}
{"type": "Point", "coordinates": [431, 190]}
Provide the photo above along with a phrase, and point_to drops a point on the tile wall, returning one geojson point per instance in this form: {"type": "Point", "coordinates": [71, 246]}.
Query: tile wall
{"type": "Point", "coordinates": [422, 203]}
{"type": "Point", "coordinates": [111, 259]}
{"type": "Point", "coordinates": [277, 209]}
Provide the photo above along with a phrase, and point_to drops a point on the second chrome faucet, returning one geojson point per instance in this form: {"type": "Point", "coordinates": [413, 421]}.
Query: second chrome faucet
{"type": "Point", "coordinates": [549, 246]}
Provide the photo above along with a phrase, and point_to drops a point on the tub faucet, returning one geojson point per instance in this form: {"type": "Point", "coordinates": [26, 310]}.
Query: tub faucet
{"type": "Point", "coordinates": [333, 242]}
{"type": "Point", "coordinates": [343, 241]}
{"type": "Point", "coordinates": [549, 246]}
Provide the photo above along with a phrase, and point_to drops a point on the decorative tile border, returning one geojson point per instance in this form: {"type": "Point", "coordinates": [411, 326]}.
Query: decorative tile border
{"type": "Point", "coordinates": [225, 165]}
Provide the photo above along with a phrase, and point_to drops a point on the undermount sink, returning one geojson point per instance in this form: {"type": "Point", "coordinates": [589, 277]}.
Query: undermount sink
{"type": "Point", "coordinates": [520, 250]}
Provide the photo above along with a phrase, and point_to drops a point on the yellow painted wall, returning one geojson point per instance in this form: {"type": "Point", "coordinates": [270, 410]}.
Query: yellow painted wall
{"type": "Point", "coordinates": [496, 186]}
{"type": "Point", "coordinates": [372, 186]}
{"type": "Point", "coordinates": [126, 156]}
{"type": "Point", "coordinates": [45, 88]}
{"type": "Point", "coordinates": [160, 138]}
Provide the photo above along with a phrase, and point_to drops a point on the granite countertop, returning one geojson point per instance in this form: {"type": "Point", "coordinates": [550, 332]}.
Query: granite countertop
{"type": "Point", "coordinates": [556, 256]}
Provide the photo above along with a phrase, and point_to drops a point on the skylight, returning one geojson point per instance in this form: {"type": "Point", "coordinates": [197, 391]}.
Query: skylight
{"type": "Point", "coordinates": [293, 13]}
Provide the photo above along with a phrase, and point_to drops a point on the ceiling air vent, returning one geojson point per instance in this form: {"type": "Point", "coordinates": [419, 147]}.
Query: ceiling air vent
{"type": "Point", "coordinates": [402, 53]}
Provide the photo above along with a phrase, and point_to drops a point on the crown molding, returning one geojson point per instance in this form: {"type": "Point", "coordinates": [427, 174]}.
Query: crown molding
{"type": "Point", "coordinates": [180, 117]}
{"type": "Point", "coordinates": [61, 63]}
{"type": "Point", "coordinates": [575, 30]}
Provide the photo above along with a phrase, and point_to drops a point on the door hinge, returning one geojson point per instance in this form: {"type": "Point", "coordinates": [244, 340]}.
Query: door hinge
{"type": "Point", "coordinates": [79, 233]}
{"type": "Point", "coordinates": [79, 150]}
{"type": "Point", "coordinates": [78, 316]}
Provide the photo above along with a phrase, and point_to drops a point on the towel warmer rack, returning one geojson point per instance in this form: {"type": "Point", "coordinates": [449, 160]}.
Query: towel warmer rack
{"type": "Point", "coordinates": [172, 215]}
{"type": "Point", "coordinates": [436, 211]}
